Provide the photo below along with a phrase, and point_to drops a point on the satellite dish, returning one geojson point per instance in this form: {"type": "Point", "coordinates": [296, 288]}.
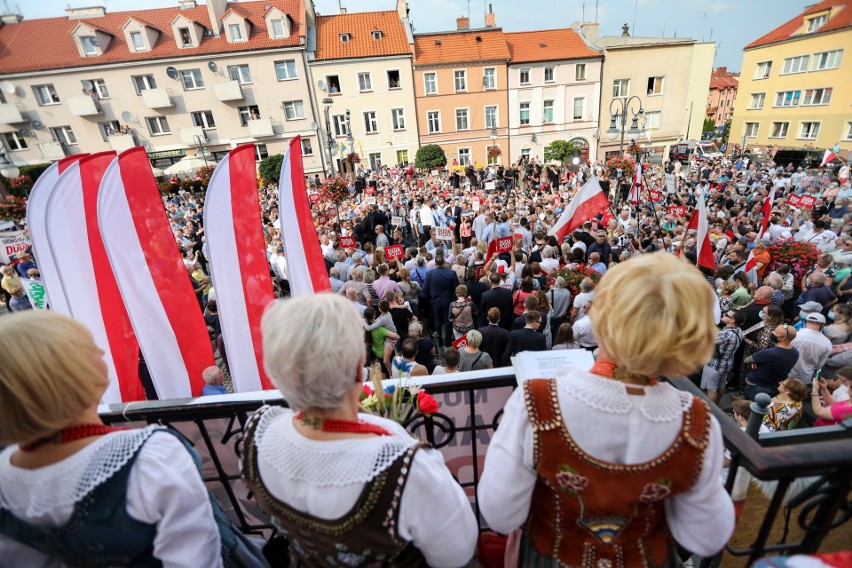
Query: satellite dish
{"type": "Point", "coordinates": [212, 66]}
{"type": "Point", "coordinates": [88, 85]}
{"type": "Point", "coordinates": [7, 87]}
{"type": "Point", "coordinates": [321, 84]}
{"type": "Point", "coordinates": [171, 72]}
{"type": "Point", "coordinates": [126, 116]}
{"type": "Point", "coordinates": [314, 126]}
{"type": "Point", "coordinates": [37, 125]}
{"type": "Point", "coordinates": [95, 41]}
{"type": "Point", "coordinates": [23, 132]}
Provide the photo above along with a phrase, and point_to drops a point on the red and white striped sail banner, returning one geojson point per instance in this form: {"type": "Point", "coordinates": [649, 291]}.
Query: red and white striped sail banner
{"type": "Point", "coordinates": [306, 269]}
{"type": "Point", "coordinates": [89, 286]}
{"type": "Point", "coordinates": [153, 278]}
{"type": "Point", "coordinates": [239, 268]}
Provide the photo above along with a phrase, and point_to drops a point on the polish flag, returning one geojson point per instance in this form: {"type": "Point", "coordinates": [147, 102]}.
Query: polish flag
{"type": "Point", "coordinates": [766, 209]}
{"type": "Point", "coordinates": [827, 157]}
{"type": "Point", "coordinates": [152, 277]}
{"type": "Point", "coordinates": [240, 271]}
{"type": "Point", "coordinates": [88, 285]}
{"type": "Point", "coordinates": [587, 203]}
{"type": "Point", "coordinates": [704, 250]}
{"type": "Point", "coordinates": [636, 188]}
{"type": "Point", "coordinates": [306, 269]}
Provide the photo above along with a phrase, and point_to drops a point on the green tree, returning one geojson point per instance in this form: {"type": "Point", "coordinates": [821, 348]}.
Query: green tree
{"type": "Point", "coordinates": [561, 151]}
{"type": "Point", "coordinates": [709, 125]}
{"type": "Point", "coordinates": [270, 167]}
{"type": "Point", "coordinates": [430, 156]}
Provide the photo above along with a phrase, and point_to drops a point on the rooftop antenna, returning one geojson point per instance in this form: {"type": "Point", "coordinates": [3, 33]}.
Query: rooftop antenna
{"type": "Point", "coordinates": [635, 9]}
{"type": "Point", "coordinates": [340, 5]}
{"type": "Point", "coordinates": [596, 11]}
{"type": "Point", "coordinates": [468, 9]}
{"type": "Point", "coordinates": [584, 13]}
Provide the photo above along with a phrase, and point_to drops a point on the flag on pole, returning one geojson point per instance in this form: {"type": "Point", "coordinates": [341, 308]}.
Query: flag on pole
{"type": "Point", "coordinates": [704, 251]}
{"type": "Point", "coordinates": [827, 157]}
{"type": "Point", "coordinates": [240, 271]}
{"type": "Point", "coordinates": [765, 209]}
{"type": "Point", "coordinates": [306, 269]}
{"type": "Point", "coordinates": [636, 188]}
{"type": "Point", "coordinates": [589, 201]}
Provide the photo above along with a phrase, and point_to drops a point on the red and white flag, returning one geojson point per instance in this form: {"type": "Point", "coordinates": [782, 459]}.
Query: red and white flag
{"type": "Point", "coordinates": [89, 287]}
{"type": "Point", "coordinates": [827, 157]}
{"type": "Point", "coordinates": [636, 189]}
{"type": "Point", "coordinates": [765, 209]}
{"type": "Point", "coordinates": [152, 277]}
{"type": "Point", "coordinates": [240, 272]}
{"type": "Point", "coordinates": [589, 201]}
{"type": "Point", "coordinates": [704, 250]}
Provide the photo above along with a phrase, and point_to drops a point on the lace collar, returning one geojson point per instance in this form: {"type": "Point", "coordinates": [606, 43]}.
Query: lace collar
{"type": "Point", "coordinates": [660, 403]}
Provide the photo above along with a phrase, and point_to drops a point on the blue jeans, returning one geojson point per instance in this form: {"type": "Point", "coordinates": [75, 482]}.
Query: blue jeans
{"type": "Point", "coordinates": [751, 391]}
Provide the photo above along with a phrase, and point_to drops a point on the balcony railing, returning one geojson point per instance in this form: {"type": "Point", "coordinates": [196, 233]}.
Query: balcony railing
{"type": "Point", "coordinates": [229, 91]}
{"type": "Point", "coordinates": [122, 142]}
{"type": "Point", "coordinates": [470, 410]}
{"type": "Point", "coordinates": [10, 114]}
{"type": "Point", "coordinates": [84, 105]}
{"type": "Point", "coordinates": [157, 98]}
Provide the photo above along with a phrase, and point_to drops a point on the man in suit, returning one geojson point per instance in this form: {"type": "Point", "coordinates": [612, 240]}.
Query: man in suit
{"type": "Point", "coordinates": [494, 337]}
{"type": "Point", "coordinates": [500, 298]}
{"type": "Point", "coordinates": [526, 339]}
{"type": "Point", "coordinates": [440, 288]}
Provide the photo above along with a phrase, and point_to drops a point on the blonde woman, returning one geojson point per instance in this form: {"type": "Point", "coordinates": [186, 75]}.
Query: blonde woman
{"type": "Point", "coordinates": [612, 461]}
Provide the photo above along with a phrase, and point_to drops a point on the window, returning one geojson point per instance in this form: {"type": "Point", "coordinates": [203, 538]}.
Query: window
{"type": "Point", "coordinates": [286, 70]}
{"type": "Point", "coordinates": [757, 100]}
{"type": "Point", "coordinates": [365, 82]}
{"type": "Point", "coordinates": [240, 73]}
{"type": "Point", "coordinates": [402, 157]}
{"type": "Point", "coordinates": [371, 124]}
{"type": "Point", "coordinates": [248, 113]}
{"type": "Point", "coordinates": [525, 153]}
{"type": "Point", "coordinates": [525, 76]}
{"type": "Point", "coordinates": [816, 23]}
{"type": "Point", "coordinates": [809, 131]}
{"type": "Point", "coordinates": [655, 85]}
{"type": "Point", "coordinates": [375, 160]}
{"type": "Point", "coordinates": [236, 31]}
{"type": "Point", "coordinates": [763, 70]}
{"type": "Point", "coordinates": [277, 28]}
{"type": "Point", "coordinates": [849, 130]}
{"type": "Point", "coordinates": [191, 79]}
{"type": "Point", "coordinates": [393, 79]}
{"type": "Point", "coordinates": [398, 118]}
{"type": "Point", "coordinates": [621, 88]}
{"type": "Point", "coordinates": [461, 119]}
{"type": "Point", "coordinates": [143, 83]}
{"type": "Point", "coordinates": [64, 135]}
{"type": "Point", "coordinates": [491, 117]}
{"type": "Point", "coordinates": [751, 129]}
{"type": "Point", "coordinates": [137, 41]}
{"type": "Point", "coordinates": [489, 78]}
{"type": "Point", "coordinates": [548, 74]}
{"type": "Point", "coordinates": [204, 119]}
{"type": "Point", "coordinates": [464, 156]}
{"type": "Point", "coordinates": [307, 147]}
{"type": "Point", "coordinates": [185, 37]}
{"type": "Point", "coordinates": [795, 65]}
{"type": "Point", "coordinates": [89, 47]}
{"type": "Point", "coordinates": [433, 119]}
{"type": "Point", "coordinates": [294, 110]}
{"type": "Point", "coordinates": [46, 95]}
{"type": "Point", "coordinates": [109, 128]}
{"type": "Point", "coordinates": [580, 72]}
{"type": "Point", "coordinates": [827, 60]}
{"type": "Point", "coordinates": [547, 111]}
{"type": "Point", "coordinates": [333, 84]}
{"type": "Point", "coordinates": [579, 108]}
{"type": "Point", "coordinates": [817, 97]}
{"type": "Point", "coordinates": [430, 81]}
{"type": "Point", "coordinates": [158, 125]}
{"type": "Point", "coordinates": [377, 34]}
{"type": "Point", "coordinates": [98, 88]}
{"type": "Point", "coordinates": [652, 120]}
{"type": "Point", "coordinates": [779, 129]}
{"type": "Point", "coordinates": [15, 142]}
{"type": "Point", "coordinates": [525, 113]}
{"type": "Point", "coordinates": [460, 80]}
{"type": "Point", "coordinates": [345, 37]}
{"type": "Point", "coordinates": [341, 127]}
{"type": "Point", "coordinates": [787, 98]}
{"type": "Point", "coordinates": [492, 160]}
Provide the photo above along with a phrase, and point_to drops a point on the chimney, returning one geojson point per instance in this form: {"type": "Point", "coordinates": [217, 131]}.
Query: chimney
{"type": "Point", "coordinates": [462, 23]}
{"type": "Point", "coordinates": [490, 19]}
{"type": "Point", "coordinates": [186, 4]}
{"type": "Point", "coordinates": [215, 10]}
{"type": "Point", "coordinates": [85, 13]}
{"type": "Point", "coordinates": [402, 9]}
{"type": "Point", "coordinates": [11, 18]}
{"type": "Point", "coordinates": [590, 30]}
{"type": "Point", "coordinates": [342, 10]}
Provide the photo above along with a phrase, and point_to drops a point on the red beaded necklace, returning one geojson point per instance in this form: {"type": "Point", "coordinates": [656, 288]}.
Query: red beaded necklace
{"type": "Point", "coordinates": [70, 434]}
{"type": "Point", "coordinates": [609, 369]}
{"type": "Point", "coordinates": [338, 426]}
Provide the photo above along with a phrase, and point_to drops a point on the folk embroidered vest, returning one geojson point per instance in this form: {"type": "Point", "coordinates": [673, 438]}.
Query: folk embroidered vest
{"type": "Point", "coordinates": [590, 513]}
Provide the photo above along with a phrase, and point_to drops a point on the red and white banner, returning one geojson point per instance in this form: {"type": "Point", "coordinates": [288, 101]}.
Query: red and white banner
{"type": "Point", "coordinates": [460, 342]}
{"type": "Point", "coordinates": [394, 251]}
{"type": "Point", "coordinates": [306, 269]}
{"type": "Point", "coordinates": [807, 201]}
{"type": "Point", "coordinates": [794, 200]}
{"type": "Point", "coordinates": [827, 157]}
{"type": "Point", "coordinates": [588, 203]}
{"type": "Point", "coordinates": [152, 277]}
{"type": "Point", "coordinates": [500, 246]}
{"type": "Point", "coordinates": [347, 242]}
{"type": "Point", "coordinates": [677, 210]}
{"type": "Point", "coordinates": [705, 249]}
{"type": "Point", "coordinates": [636, 189]}
{"type": "Point", "coordinates": [239, 268]}
{"type": "Point", "coordinates": [90, 290]}
{"type": "Point", "coordinates": [655, 195]}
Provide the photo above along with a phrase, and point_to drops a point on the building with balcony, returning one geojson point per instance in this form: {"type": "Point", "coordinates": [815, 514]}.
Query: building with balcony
{"type": "Point", "coordinates": [183, 80]}
{"type": "Point", "coordinates": [794, 85]}
{"type": "Point", "coordinates": [722, 95]}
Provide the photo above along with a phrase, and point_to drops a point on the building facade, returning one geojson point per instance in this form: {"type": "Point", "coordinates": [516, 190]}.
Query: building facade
{"type": "Point", "coordinates": [795, 87]}
{"type": "Point", "coordinates": [722, 95]}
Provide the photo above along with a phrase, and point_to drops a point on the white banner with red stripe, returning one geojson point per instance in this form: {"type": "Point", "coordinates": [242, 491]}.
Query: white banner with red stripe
{"type": "Point", "coordinates": [239, 268]}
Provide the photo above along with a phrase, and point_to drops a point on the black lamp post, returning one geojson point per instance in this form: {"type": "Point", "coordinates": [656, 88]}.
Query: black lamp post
{"type": "Point", "coordinates": [619, 109]}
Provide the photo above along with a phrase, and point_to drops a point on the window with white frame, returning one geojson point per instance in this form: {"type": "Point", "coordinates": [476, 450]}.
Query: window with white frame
{"type": "Point", "coordinates": [241, 73]}
{"type": "Point", "coordinates": [345, 37]}
{"type": "Point", "coordinates": [138, 41]}
{"type": "Point", "coordinates": [491, 117]}
{"type": "Point", "coordinates": [621, 88]}
{"type": "Point", "coordinates": [464, 156]}
{"type": "Point", "coordinates": [849, 130]}
{"type": "Point", "coordinates": [393, 79]}
{"type": "Point", "coordinates": [365, 82]}
{"type": "Point", "coordinates": [371, 123]}
{"type": "Point", "coordinates": [89, 45]}
{"type": "Point", "coordinates": [524, 113]}
{"type": "Point", "coordinates": [158, 125]}
{"type": "Point", "coordinates": [247, 113]}
{"type": "Point", "coordinates": [433, 119]}
{"type": "Point", "coordinates": [402, 157]}
{"type": "Point", "coordinates": [547, 111]}
{"type": "Point", "coordinates": [525, 153]}
{"type": "Point", "coordinates": [652, 120]}
{"type": "Point", "coordinates": [827, 60]}
{"type": "Point", "coordinates": [191, 79]}
{"type": "Point", "coordinates": [524, 75]}
{"type": "Point", "coordinates": [460, 80]}
{"type": "Point", "coordinates": [46, 95]}
{"type": "Point", "coordinates": [286, 70]}
{"type": "Point", "coordinates": [294, 110]}
{"type": "Point", "coordinates": [655, 85]}
{"type": "Point", "coordinates": [549, 74]}
{"type": "Point", "coordinates": [375, 160]}
{"type": "Point", "coordinates": [185, 37]}
{"type": "Point", "coordinates": [277, 28]}
{"type": "Point", "coordinates": [109, 128]}
{"type": "Point", "coordinates": [203, 119]}
{"type": "Point", "coordinates": [430, 82]}
{"type": "Point", "coordinates": [236, 31]}
{"type": "Point", "coordinates": [756, 101]}
{"type": "Point", "coordinates": [779, 129]}
{"type": "Point", "coordinates": [814, 97]}
{"type": "Point", "coordinates": [398, 118]}
{"type": "Point", "coordinates": [99, 88]}
{"type": "Point", "coordinates": [15, 142]}
{"type": "Point", "coordinates": [751, 129]}
{"type": "Point", "coordinates": [64, 135]}
{"type": "Point", "coordinates": [809, 130]}
{"type": "Point", "coordinates": [579, 108]}
{"type": "Point", "coordinates": [763, 70]}
{"type": "Point", "coordinates": [260, 152]}
{"type": "Point", "coordinates": [797, 64]}
{"type": "Point", "coordinates": [377, 35]}
{"type": "Point", "coordinates": [489, 78]}
{"type": "Point", "coordinates": [341, 127]}
{"type": "Point", "coordinates": [816, 23]}
{"type": "Point", "coordinates": [580, 72]}
{"type": "Point", "coordinates": [333, 84]}
{"type": "Point", "coordinates": [307, 147]}
{"type": "Point", "coordinates": [462, 119]}
{"type": "Point", "coordinates": [787, 98]}
{"type": "Point", "coordinates": [143, 83]}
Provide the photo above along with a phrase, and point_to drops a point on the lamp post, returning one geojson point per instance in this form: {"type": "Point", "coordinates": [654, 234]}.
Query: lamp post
{"type": "Point", "coordinates": [201, 147]}
{"type": "Point", "coordinates": [350, 141]}
{"type": "Point", "coordinates": [619, 109]}
{"type": "Point", "coordinates": [8, 169]}
{"type": "Point", "coordinates": [327, 102]}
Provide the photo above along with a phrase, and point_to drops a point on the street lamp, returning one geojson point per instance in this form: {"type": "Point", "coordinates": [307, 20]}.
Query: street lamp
{"type": "Point", "coordinates": [619, 109]}
{"type": "Point", "coordinates": [327, 102]}
{"type": "Point", "coordinates": [7, 167]}
{"type": "Point", "coordinates": [201, 147]}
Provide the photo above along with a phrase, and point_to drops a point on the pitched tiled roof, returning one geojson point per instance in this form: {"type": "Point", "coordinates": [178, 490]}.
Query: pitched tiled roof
{"type": "Point", "coordinates": [460, 47]}
{"type": "Point", "coordinates": [724, 82]}
{"type": "Point", "coordinates": [360, 27]}
{"type": "Point", "coordinates": [548, 45]}
{"type": "Point", "coordinates": [841, 19]}
{"type": "Point", "coordinates": [23, 46]}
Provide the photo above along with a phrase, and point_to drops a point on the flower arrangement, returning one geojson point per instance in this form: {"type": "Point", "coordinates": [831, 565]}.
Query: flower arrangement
{"type": "Point", "coordinates": [334, 190]}
{"type": "Point", "coordinates": [493, 152]}
{"type": "Point", "coordinates": [13, 208]}
{"type": "Point", "coordinates": [400, 403]}
{"type": "Point", "coordinates": [799, 256]}
{"type": "Point", "coordinates": [21, 183]}
{"type": "Point", "coordinates": [626, 164]}
{"type": "Point", "coordinates": [572, 278]}
{"type": "Point", "coordinates": [352, 158]}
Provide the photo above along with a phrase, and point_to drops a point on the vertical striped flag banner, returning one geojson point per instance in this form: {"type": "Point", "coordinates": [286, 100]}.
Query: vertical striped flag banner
{"type": "Point", "coordinates": [306, 269]}
{"type": "Point", "coordinates": [37, 225]}
{"type": "Point", "coordinates": [636, 188]}
{"type": "Point", "coordinates": [704, 250]}
{"type": "Point", "coordinates": [239, 268]}
{"type": "Point", "coordinates": [153, 279]}
{"type": "Point", "coordinates": [90, 288]}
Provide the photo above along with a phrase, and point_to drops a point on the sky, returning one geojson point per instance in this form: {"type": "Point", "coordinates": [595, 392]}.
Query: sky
{"type": "Point", "coordinates": [730, 23]}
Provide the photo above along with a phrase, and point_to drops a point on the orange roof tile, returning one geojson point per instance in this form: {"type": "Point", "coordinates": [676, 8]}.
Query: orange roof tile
{"type": "Point", "coordinates": [360, 27]}
{"type": "Point", "coordinates": [548, 45]}
{"type": "Point", "coordinates": [461, 47]}
{"type": "Point", "coordinates": [725, 82]}
{"type": "Point", "coordinates": [841, 19]}
{"type": "Point", "coordinates": [22, 45]}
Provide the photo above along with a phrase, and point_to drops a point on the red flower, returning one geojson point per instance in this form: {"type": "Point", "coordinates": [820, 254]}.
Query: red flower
{"type": "Point", "coordinates": [426, 403]}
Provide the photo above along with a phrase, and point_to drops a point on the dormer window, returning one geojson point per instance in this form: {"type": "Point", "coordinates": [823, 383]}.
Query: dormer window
{"type": "Point", "coordinates": [90, 45]}
{"type": "Point", "coordinates": [138, 41]}
{"type": "Point", "coordinates": [237, 27]}
{"type": "Point", "coordinates": [277, 28]}
{"type": "Point", "coordinates": [816, 23]}
{"type": "Point", "coordinates": [236, 32]}
{"type": "Point", "coordinates": [345, 37]}
{"type": "Point", "coordinates": [278, 23]}
{"type": "Point", "coordinates": [377, 34]}
{"type": "Point", "coordinates": [185, 37]}
{"type": "Point", "coordinates": [187, 33]}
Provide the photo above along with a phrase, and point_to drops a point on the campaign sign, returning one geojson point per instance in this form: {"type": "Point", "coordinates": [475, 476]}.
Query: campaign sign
{"type": "Point", "coordinates": [480, 271]}
{"type": "Point", "coordinates": [460, 342]}
{"type": "Point", "coordinates": [394, 251]}
{"type": "Point", "coordinates": [654, 195]}
{"type": "Point", "coordinates": [396, 221]}
{"type": "Point", "coordinates": [670, 183]}
{"type": "Point", "coordinates": [489, 185]}
{"type": "Point", "coordinates": [321, 220]}
{"type": "Point", "coordinates": [807, 201]}
{"type": "Point", "coordinates": [677, 210]}
{"type": "Point", "coordinates": [12, 243]}
{"type": "Point", "coordinates": [346, 242]}
{"type": "Point", "coordinates": [443, 233]}
{"type": "Point", "coordinates": [503, 244]}
{"type": "Point", "coordinates": [794, 200]}
{"type": "Point", "coordinates": [370, 190]}
{"type": "Point", "coordinates": [370, 200]}
{"type": "Point", "coordinates": [475, 204]}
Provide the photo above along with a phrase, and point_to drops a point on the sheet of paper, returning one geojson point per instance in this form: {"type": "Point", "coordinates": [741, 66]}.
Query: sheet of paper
{"type": "Point", "coordinates": [546, 364]}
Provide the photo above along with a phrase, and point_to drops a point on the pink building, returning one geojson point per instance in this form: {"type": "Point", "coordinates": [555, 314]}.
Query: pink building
{"type": "Point", "coordinates": [722, 94]}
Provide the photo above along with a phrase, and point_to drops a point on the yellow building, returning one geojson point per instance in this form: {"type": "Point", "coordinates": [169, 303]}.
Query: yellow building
{"type": "Point", "coordinates": [795, 88]}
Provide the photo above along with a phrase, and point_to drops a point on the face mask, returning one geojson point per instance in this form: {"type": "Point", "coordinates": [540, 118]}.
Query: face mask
{"type": "Point", "coordinates": [831, 316]}
{"type": "Point", "coordinates": [762, 315]}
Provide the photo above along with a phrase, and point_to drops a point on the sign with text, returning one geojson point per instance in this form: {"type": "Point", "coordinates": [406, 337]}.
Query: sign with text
{"type": "Point", "coordinates": [807, 201]}
{"type": "Point", "coordinates": [370, 190]}
{"type": "Point", "coordinates": [489, 185]}
{"type": "Point", "coordinates": [370, 200]}
{"type": "Point", "coordinates": [475, 204]}
{"type": "Point", "coordinates": [346, 242]}
{"type": "Point", "coordinates": [460, 342]}
{"type": "Point", "coordinates": [393, 252]}
{"type": "Point", "coordinates": [396, 221]}
{"type": "Point", "coordinates": [670, 183]}
{"type": "Point", "coordinates": [677, 210]}
{"type": "Point", "coordinates": [12, 243]}
{"type": "Point", "coordinates": [480, 271]}
{"type": "Point", "coordinates": [321, 220]}
{"type": "Point", "coordinates": [443, 233]}
{"type": "Point", "coordinates": [655, 195]}
{"type": "Point", "coordinates": [500, 246]}
{"type": "Point", "coordinates": [794, 200]}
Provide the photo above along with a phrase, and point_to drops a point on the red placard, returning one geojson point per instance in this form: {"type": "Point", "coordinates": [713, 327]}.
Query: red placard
{"type": "Point", "coordinates": [807, 201]}
{"type": "Point", "coordinates": [677, 210]}
{"type": "Point", "coordinates": [460, 342]}
{"type": "Point", "coordinates": [394, 251]}
{"type": "Point", "coordinates": [794, 200]}
{"type": "Point", "coordinates": [654, 195]}
{"type": "Point", "coordinates": [370, 190]}
{"type": "Point", "coordinates": [321, 219]}
{"type": "Point", "coordinates": [313, 197]}
{"type": "Point", "coordinates": [346, 242]}
{"type": "Point", "coordinates": [480, 271]}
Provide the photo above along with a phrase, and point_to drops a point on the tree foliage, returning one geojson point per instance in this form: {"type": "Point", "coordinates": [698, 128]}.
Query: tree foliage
{"type": "Point", "coordinates": [430, 156]}
{"type": "Point", "coordinates": [270, 168]}
{"type": "Point", "coordinates": [709, 125]}
{"type": "Point", "coordinates": [561, 151]}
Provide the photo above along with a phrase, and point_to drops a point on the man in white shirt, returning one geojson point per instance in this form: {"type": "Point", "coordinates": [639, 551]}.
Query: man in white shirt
{"type": "Point", "coordinates": [586, 295]}
{"type": "Point", "coordinates": [583, 333]}
{"type": "Point", "coordinates": [548, 263]}
{"type": "Point", "coordinates": [427, 220]}
{"type": "Point", "coordinates": [814, 348]}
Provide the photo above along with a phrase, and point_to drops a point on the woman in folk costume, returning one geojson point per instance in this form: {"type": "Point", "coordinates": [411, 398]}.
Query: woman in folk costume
{"type": "Point", "coordinates": [347, 489]}
{"type": "Point", "coordinates": [603, 467]}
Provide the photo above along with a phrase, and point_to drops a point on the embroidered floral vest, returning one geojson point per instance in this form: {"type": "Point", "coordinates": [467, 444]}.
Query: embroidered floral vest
{"type": "Point", "coordinates": [590, 513]}
{"type": "Point", "coordinates": [364, 536]}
